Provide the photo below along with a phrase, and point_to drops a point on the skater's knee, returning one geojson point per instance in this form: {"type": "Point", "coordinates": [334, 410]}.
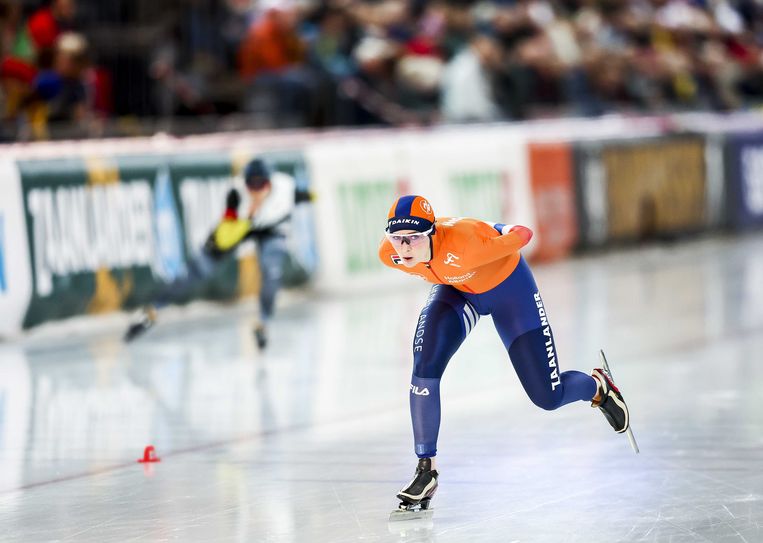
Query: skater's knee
{"type": "Point", "coordinates": [548, 402]}
{"type": "Point", "coordinates": [429, 369]}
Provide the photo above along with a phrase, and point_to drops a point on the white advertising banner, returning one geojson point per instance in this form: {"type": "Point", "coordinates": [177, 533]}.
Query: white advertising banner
{"type": "Point", "coordinates": [480, 172]}
{"type": "Point", "coordinates": [356, 181]}
{"type": "Point", "coordinates": [15, 274]}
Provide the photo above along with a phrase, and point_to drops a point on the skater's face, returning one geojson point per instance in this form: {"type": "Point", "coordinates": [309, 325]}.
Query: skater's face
{"type": "Point", "coordinates": [411, 246]}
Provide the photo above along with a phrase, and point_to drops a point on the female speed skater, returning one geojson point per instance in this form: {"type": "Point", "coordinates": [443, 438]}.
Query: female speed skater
{"type": "Point", "coordinates": [477, 270]}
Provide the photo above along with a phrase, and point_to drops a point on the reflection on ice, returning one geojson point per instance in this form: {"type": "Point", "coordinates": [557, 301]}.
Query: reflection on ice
{"type": "Point", "coordinates": [310, 440]}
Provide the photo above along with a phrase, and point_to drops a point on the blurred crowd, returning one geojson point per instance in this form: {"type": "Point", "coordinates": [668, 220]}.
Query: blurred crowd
{"type": "Point", "coordinates": [289, 63]}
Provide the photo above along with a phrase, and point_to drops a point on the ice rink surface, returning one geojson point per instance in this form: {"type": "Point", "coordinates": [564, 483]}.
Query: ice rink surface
{"type": "Point", "coordinates": [311, 441]}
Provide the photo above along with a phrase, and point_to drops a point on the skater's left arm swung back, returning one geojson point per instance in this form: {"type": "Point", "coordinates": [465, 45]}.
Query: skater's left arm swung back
{"type": "Point", "coordinates": [231, 230]}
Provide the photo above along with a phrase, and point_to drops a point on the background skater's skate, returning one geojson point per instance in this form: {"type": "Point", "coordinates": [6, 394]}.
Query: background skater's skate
{"type": "Point", "coordinates": [143, 321]}
{"type": "Point", "coordinates": [415, 498]}
{"type": "Point", "coordinates": [612, 403]}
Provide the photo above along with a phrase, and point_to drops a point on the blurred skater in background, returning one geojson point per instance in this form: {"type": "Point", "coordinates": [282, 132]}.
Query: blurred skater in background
{"type": "Point", "coordinates": [272, 198]}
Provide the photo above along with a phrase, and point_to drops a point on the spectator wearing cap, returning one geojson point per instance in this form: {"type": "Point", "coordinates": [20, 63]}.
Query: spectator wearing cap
{"type": "Point", "coordinates": [61, 92]}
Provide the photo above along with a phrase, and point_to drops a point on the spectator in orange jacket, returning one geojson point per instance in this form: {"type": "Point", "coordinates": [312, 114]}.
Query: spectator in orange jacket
{"type": "Point", "coordinates": [272, 44]}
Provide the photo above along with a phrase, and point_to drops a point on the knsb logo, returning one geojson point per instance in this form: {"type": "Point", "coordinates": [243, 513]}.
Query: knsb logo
{"type": "Point", "coordinates": [426, 207]}
{"type": "Point", "coordinates": [419, 391]}
{"type": "Point", "coordinates": [451, 260]}
{"type": "Point", "coordinates": [3, 284]}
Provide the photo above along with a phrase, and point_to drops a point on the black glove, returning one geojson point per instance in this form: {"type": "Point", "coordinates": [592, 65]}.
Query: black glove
{"type": "Point", "coordinates": [301, 195]}
{"type": "Point", "coordinates": [258, 234]}
{"type": "Point", "coordinates": [232, 200]}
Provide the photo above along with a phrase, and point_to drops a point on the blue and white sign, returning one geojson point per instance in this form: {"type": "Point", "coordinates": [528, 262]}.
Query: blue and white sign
{"type": "Point", "coordinates": [745, 179]}
{"type": "Point", "coordinates": [3, 285]}
{"type": "Point", "coordinates": [169, 261]}
{"type": "Point", "coordinates": [15, 267]}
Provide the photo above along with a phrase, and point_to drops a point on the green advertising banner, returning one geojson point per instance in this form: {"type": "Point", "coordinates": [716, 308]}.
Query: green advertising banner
{"type": "Point", "coordinates": [478, 193]}
{"type": "Point", "coordinates": [112, 233]}
{"type": "Point", "coordinates": [363, 208]}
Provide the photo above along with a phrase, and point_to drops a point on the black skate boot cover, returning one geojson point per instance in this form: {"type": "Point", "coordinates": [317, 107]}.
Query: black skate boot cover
{"type": "Point", "coordinates": [423, 485]}
{"type": "Point", "coordinates": [612, 404]}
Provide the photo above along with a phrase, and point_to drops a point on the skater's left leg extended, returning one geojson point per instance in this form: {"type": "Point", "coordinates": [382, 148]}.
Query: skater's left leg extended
{"type": "Point", "coordinates": [533, 355]}
{"type": "Point", "coordinates": [523, 324]}
{"type": "Point", "coordinates": [520, 318]}
{"type": "Point", "coordinates": [443, 324]}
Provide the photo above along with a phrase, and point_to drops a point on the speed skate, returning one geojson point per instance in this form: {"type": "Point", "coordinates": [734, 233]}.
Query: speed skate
{"type": "Point", "coordinates": [628, 431]}
{"type": "Point", "coordinates": [417, 495]}
{"type": "Point", "coordinates": [406, 512]}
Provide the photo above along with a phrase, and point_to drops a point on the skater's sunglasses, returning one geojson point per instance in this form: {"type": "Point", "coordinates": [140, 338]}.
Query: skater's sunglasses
{"type": "Point", "coordinates": [413, 240]}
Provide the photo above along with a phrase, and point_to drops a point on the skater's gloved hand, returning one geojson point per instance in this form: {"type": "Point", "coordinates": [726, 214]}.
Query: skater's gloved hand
{"type": "Point", "coordinates": [523, 232]}
{"type": "Point", "coordinates": [301, 195]}
{"type": "Point", "coordinates": [232, 201]}
{"type": "Point", "coordinates": [259, 234]}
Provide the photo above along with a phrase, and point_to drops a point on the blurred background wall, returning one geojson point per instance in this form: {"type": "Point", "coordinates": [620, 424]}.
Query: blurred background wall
{"type": "Point", "coordinates": [596, 123]}
{"type": "Point", "coordinates": [88, 68]}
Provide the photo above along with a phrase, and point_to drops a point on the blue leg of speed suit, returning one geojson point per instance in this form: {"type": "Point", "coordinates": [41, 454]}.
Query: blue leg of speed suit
{"type": "Point", "coordinates": [271, 253]}
{"type": "Point", "coordinates": [439, 333]}
{"type": "Point", "coordinates": [201, 267]}
{"type": "Point", "coordinates": [521, 322]}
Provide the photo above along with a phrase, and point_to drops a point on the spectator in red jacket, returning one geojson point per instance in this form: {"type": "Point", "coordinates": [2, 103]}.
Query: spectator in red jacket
{"type": "Point", "coordinates": [48, 22]}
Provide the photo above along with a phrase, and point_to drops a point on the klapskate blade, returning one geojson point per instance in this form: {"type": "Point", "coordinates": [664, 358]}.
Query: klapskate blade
{"type": "Point", "coordinates": [399, 515]}
{"type": "Point", "coordinates": [628, 432]}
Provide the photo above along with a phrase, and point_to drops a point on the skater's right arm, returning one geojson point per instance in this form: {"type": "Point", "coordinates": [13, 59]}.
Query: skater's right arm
{"type": "Point", "coordinates": [482, 250]}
